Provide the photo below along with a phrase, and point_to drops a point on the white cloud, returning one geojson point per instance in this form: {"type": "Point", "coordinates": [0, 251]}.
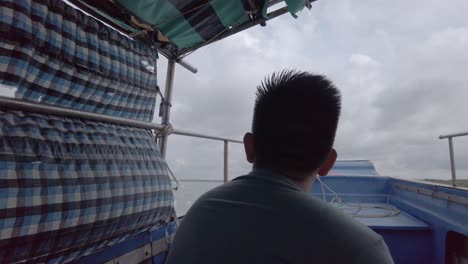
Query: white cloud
{"type": "Point", "coordinates": [362, 60]}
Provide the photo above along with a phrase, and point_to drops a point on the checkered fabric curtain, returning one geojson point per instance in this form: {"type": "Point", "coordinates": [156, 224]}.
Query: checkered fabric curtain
{"type": "Point", "coordinates": [68, 186]}
{"type": "Point", "coordinates": [55, 54]}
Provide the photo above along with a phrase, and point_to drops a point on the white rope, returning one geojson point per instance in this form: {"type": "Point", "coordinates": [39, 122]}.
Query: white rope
{"type": "Point", "coordinates": [173, 177]}
{"type": "Point", "coordinates": [344, 206]}
{"type": "Point", "coordinates": [165, 131]}
{"type": "Point", "coordinates": [336, 198]}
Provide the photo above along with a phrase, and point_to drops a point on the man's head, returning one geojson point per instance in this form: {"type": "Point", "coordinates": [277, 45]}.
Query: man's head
{"type": "Point", "coordinates": [294, 125]}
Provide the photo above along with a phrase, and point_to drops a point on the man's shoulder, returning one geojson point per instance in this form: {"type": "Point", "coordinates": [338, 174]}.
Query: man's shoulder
{"type": "Point", "coordinates": [328, 228]}
{"type": "Point", "coordinates": [309, 223]}
{"type": "Point", "coordinates": [286, 203]}
{"type": "Point", "coordinates": [327, 217]}
{"type": "Point", "coordinates": [244, 186]}
{"type": "Point", "coordinates": [292, 204]}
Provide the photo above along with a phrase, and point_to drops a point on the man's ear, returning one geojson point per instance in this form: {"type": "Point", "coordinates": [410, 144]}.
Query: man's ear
{"type": "Point", "coordinates": [249, 147]}
{"type": "Point", "coordinates": [328, 165]}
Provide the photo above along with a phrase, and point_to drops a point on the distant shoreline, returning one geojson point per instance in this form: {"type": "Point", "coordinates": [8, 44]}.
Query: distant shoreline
{"type": "Point", "coordinates": [190, 180]}
{"type": "Point", "coordinates": [460, 182]}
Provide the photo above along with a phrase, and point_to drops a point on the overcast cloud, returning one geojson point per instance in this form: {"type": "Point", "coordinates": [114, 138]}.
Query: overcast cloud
{"type": "Point", "coordinates": [402, 67]}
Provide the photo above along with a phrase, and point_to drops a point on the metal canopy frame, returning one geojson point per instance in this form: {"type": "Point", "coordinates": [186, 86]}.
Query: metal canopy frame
{"type": "Point", "coordinates": [165, 119]}
{"type": "Point", "coordinates": [240, 28]}
{"type": "Point", "coordinates": [185, 52]}
{"type": "Point", "coordinates": [247, 25]}
{"type": "Point", "coordinates": [168, 103]}
{"type": "Point", "coordinates": [167, 49]}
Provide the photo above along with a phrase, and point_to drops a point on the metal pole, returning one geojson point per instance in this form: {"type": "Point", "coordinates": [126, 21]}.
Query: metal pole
{"type": "Point", "coordinates": [187, 66]}
{"type": "Point", "coordinates": [30, 106]}
{"type": "Point", "coordinates": [198, 135]}
{"type": "Point", "coordinates": [167, 106]}
{"type": "Point", "coordinates": [452, 163]}
{"type": "Point", "coordinates": [226, 161]}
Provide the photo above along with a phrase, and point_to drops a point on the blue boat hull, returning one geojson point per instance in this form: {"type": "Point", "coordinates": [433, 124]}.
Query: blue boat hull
{"type": "Point", "coordinates": [430, 215]}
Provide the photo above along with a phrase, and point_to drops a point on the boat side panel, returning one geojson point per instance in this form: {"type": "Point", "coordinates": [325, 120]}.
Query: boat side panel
{"type": "Point", "coordinates": [441, 214]}
{"type": "Point", "coordinates": [409, 246]}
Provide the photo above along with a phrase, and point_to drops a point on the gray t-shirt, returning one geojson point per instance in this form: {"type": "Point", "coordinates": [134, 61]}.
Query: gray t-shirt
{"type": "Point", "coordinates": [264, 217]}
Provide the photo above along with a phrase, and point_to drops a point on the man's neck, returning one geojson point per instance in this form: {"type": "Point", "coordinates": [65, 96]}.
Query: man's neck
{"type": "Point", "coordinates": [305, 184]}
{"type": "Point", "coordinates": [303, 181]}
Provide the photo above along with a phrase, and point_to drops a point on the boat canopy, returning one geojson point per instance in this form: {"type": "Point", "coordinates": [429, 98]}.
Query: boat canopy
{"type": "Point", "coordinates": [178, 27]}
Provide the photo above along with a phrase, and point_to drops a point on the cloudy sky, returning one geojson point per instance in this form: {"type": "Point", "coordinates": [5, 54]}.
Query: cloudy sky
{"type": "Point", "coordinates": [402, 67]}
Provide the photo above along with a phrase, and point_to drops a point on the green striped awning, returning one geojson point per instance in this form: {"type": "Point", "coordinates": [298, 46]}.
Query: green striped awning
{"type": "Point", "coordinates": [184, 25]}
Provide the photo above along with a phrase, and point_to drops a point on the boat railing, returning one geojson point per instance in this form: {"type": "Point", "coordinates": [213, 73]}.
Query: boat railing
{"type": "Point", "coordinates": [226, 147]}
{"type": "Point", "coordinates": [451, 153]}
{"type": "Point", "coordinates": [23, 105]}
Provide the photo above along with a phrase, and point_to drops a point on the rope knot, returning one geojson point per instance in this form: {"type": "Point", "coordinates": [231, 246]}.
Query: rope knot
{"type": "Point", "coordinates": [165, 131]}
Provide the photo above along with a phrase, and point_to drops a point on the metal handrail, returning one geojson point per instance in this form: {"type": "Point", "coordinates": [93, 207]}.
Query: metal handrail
{"type": "Point", "coordinates": [225, 151]}
{"type": "Point", "coordinates": [30, 106]}
{"type": "Point", "coordinates": [226, 146]}
{"type": "Point", "coordinates": [452, 159]}
{"type": "Point", "coordinates": [198, 135]}
{"type": "Point", "coordinates": [23, 105]}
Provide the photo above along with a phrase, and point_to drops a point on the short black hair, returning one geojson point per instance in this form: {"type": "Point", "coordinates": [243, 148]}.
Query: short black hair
{"type": "Point", "coordinates": [295, 120]}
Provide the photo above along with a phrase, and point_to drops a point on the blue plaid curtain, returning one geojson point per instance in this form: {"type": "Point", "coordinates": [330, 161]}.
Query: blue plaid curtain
{"type": "Point", "coordinates": [68, 186]}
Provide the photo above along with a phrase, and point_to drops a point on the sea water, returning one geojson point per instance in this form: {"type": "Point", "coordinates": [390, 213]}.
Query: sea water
{"type": "Point", "coordinates": [189, 191]}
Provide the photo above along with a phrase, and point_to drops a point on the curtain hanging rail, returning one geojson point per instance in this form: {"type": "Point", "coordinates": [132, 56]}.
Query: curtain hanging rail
{"type": "Point", "coordinates": [22, 105]}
